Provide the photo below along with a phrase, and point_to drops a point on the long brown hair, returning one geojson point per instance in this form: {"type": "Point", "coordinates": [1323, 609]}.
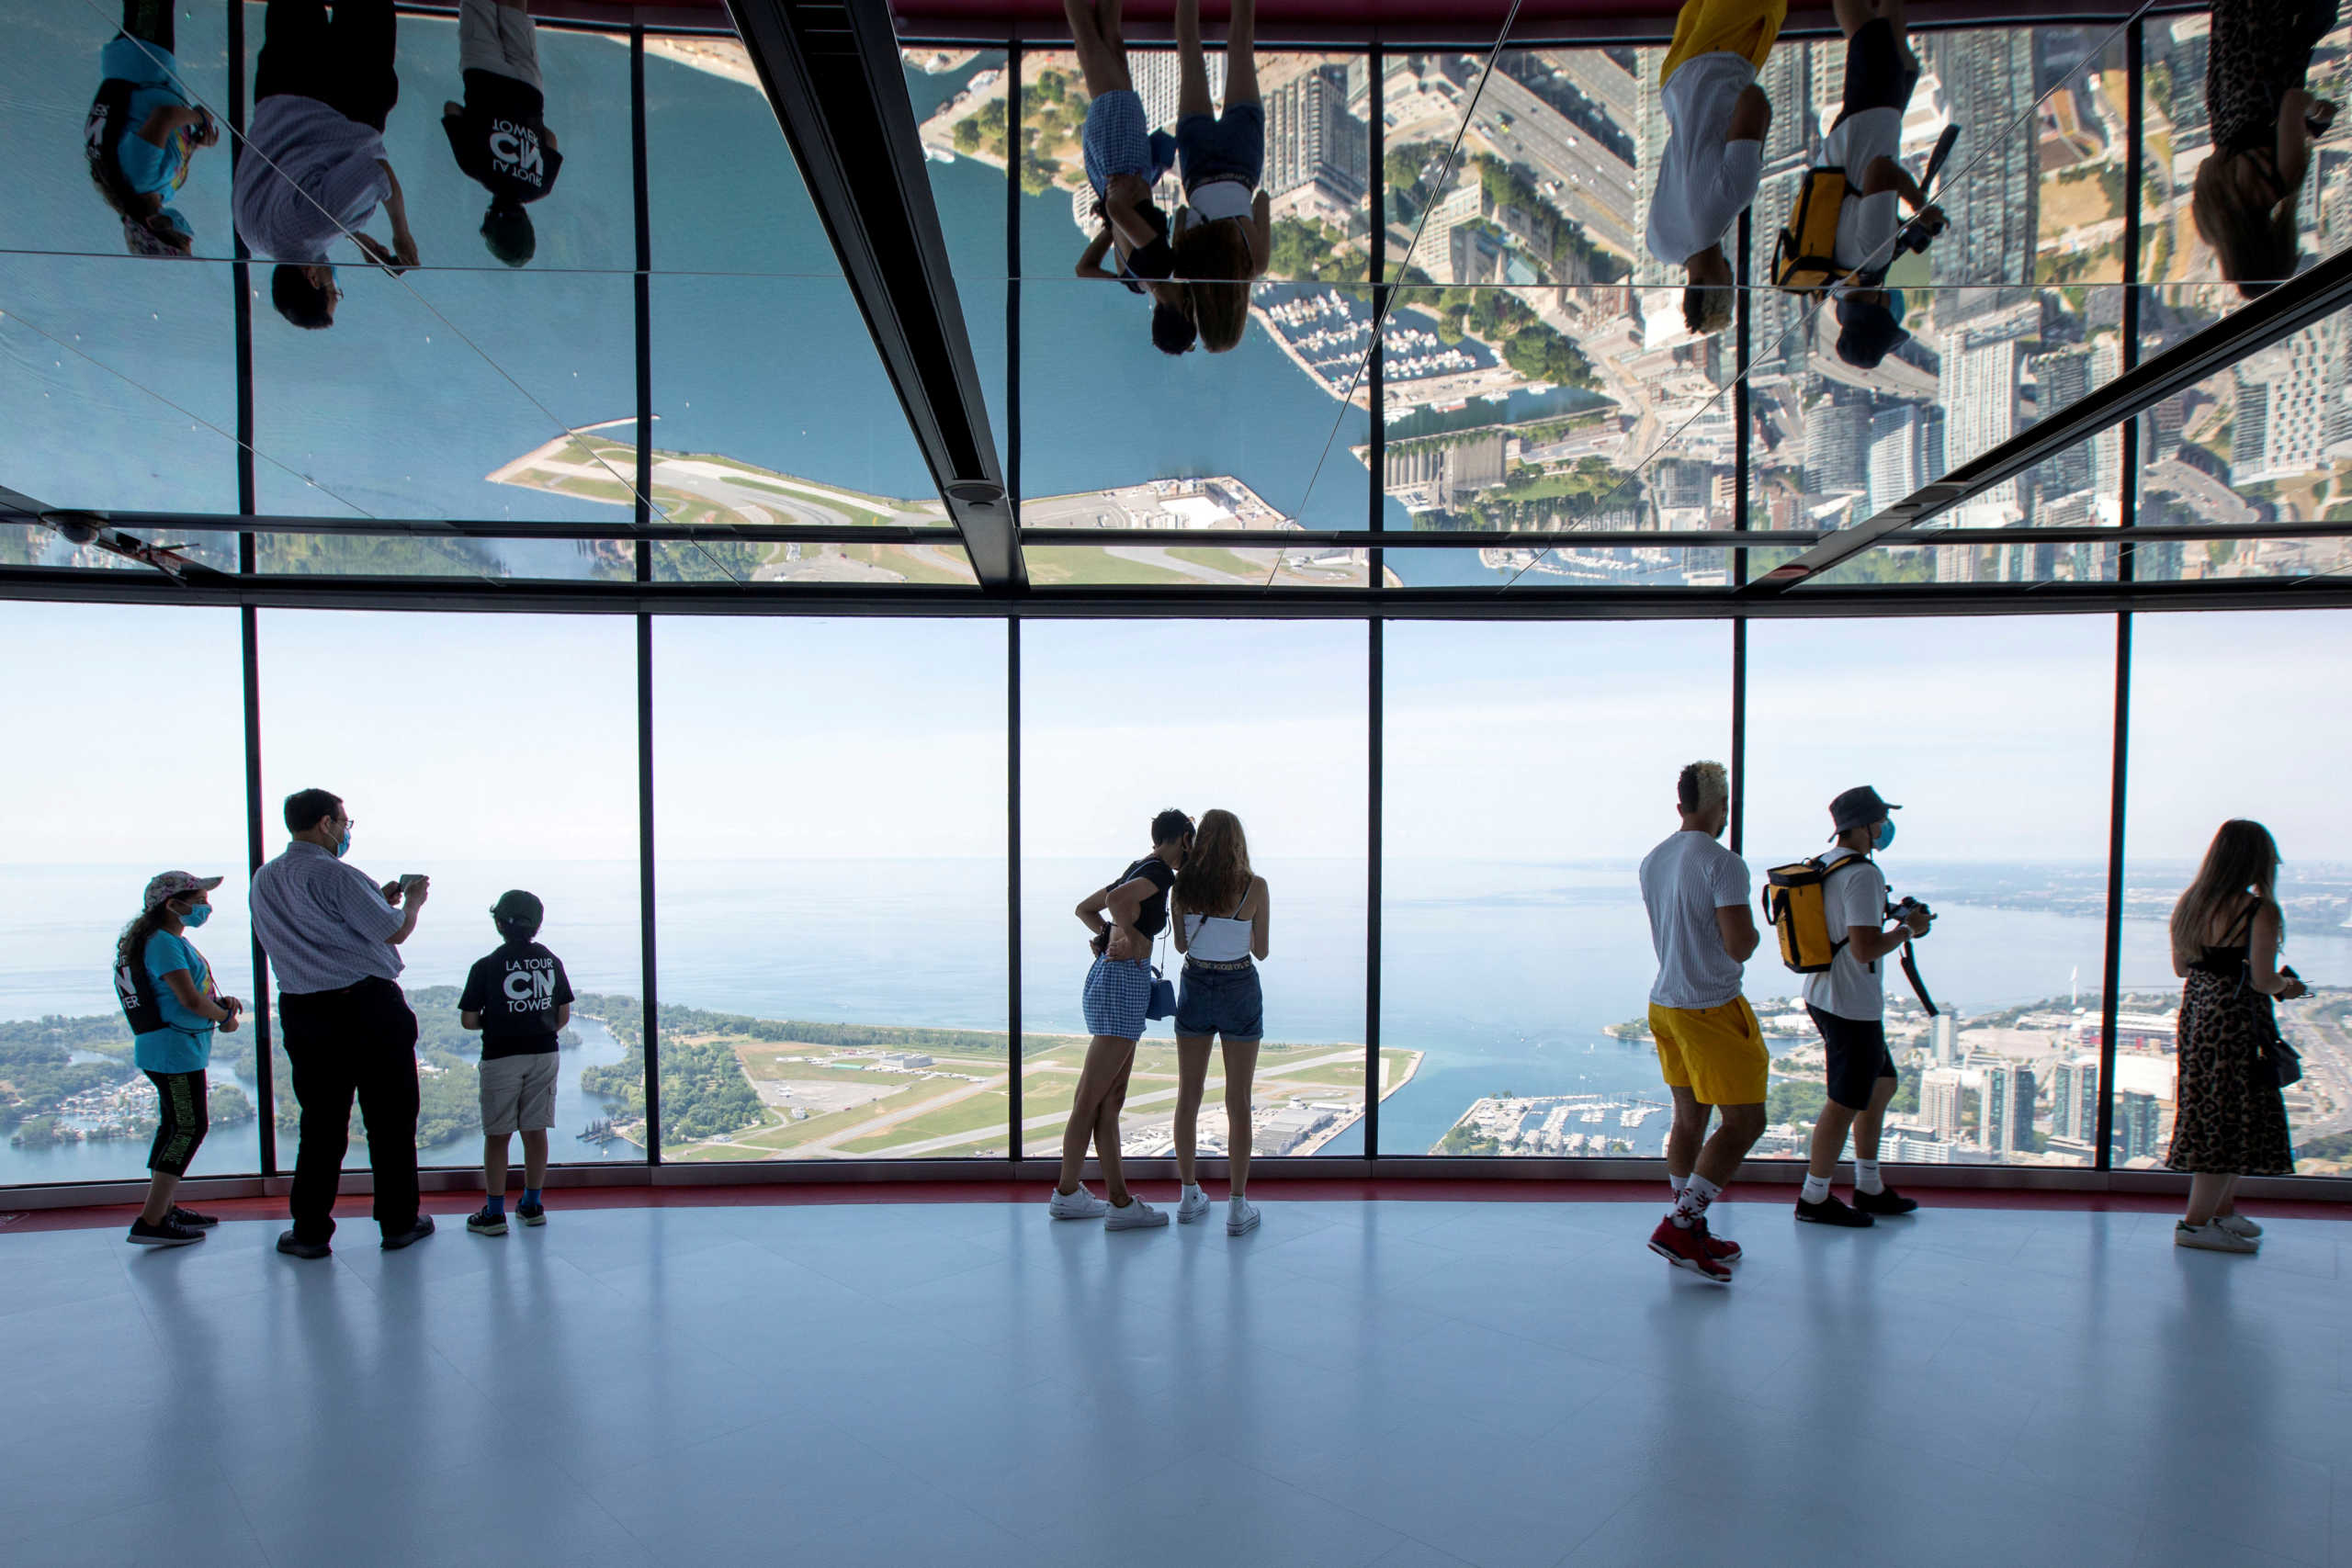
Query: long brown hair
{"type": "Point", "coordinates": [2243, 859]}
{"type": "Point", "coordinates": [1216, 874]}
{"type": "Point", "coordinates": [2252, 238]}
{"type": "Point", "coordinates": [1204, 255]}
{"type": "Point", "coordinates": [131, 948]}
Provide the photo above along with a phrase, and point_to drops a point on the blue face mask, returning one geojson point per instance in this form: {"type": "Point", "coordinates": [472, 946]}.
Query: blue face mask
{"type": "Point", "coordinates": [342, 845]}
{"type": "Point", "coordinates": [1884, 836]}
{"type": "Point", "coordinates": [197, 916]}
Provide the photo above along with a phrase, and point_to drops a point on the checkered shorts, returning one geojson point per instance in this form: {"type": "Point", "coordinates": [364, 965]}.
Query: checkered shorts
{"type": "Point", "coordinates": [1118, 993]}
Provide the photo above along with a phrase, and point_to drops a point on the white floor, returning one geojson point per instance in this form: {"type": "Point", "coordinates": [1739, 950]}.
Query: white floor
{"type": "Point", "coordinates": [1405, 1383]}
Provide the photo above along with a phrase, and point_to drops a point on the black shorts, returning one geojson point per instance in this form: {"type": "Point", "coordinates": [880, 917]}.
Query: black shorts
{"type": "Point", "coordinates": [1879, 73]}
{"type": "Point", "coordinates": [1857, 1058]}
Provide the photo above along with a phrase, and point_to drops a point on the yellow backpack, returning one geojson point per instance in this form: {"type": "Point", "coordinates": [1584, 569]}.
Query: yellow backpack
{"type": "Point", "coordinates": [1796, 905]}
{"type": "Point", "coordinates": [1804, 259]}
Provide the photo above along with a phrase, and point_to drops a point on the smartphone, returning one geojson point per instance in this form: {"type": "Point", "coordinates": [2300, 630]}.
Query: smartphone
{"type": "Point", "coordinates": [410, 879]}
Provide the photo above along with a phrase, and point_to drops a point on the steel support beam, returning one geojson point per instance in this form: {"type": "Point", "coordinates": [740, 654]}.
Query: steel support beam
{"type": "Point", "coordinates": [832, 72]}
{"type": "Point", "coordinates": [2297, 303]}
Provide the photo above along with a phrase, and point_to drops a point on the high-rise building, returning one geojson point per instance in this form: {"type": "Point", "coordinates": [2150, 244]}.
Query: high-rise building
{"type": "Point", "coordinates": [1991, 196]}
{"type": "Point", "coordinates": [1943, 1037]}
{"type": "Point", "coordinates": [1837, 445]}
{"type": "Point", "coordinates": [1895, 466]}
{"type": "Point", "coordinates": [2073, 1099]}
{"type": "Point", "coordinates": [2137, 1120]}
{"type": "Point", "coordinates": [1980, 405]}
{"type": "Point", "coordinates": [2291, 405]}
{"type": "Point", "coordinates": [1942, 1101]}
{"type": "Point", "coordinates": [1153, 72]}
{"type": "Point", "coordinates": [1316, 144]}
{"type": "Point", "coordinates": [2007, 1115]}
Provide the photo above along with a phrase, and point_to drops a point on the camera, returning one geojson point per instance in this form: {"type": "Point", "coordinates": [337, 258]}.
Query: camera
{"type": "Point", "coordinates": [1907, 908]}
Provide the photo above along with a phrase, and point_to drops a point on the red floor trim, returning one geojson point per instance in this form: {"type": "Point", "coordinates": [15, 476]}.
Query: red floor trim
{"type": "Point", "coordinates": [1393, 1190]}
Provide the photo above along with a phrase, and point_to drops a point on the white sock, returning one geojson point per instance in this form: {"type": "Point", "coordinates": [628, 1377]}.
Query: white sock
{"type": "Point", "coordinates": [1816, 1188]}
{"type": "Point", "coordinates": [1690, 1203]}
{"type": "Point", "coordinates": [1676, 1182]}
{"type": "Point", "coordinates": [1240, 1202]}
{"type": "Point", "coordinates": [1866, 1176]}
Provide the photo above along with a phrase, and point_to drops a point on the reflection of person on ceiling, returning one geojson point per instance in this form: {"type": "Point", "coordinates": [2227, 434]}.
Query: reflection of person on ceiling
{"type": "Point", "coordinates": [1866, 141]}
{"type": "Point", "coordinates": [315, 168]}
{"type": "Point", "coordinates": [2264, 122]}
{"type": "Point", "coordinates": [143, 131]}
{"type": "Point", "coordinates": [1716, 118]}
{"type": "Point", "coordinates": [1124, 158]}
{"type": "Point", "coordinates": [500, 133]}
{"type": "Point", "coordinates": [1224, 228]}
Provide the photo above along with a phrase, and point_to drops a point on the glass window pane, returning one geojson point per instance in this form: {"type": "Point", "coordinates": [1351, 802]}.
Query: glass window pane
{"type": "Point", "coordinates": [2209, 743]}
{"type": "Point", "coordinates": [2267, 441]}
{"type": "Point", "coordinates": [2178, 86]}
{"type": "Point", "coordinates": [1294, 774]}
{"type": "Point", "coordinates": [1528, 770]}
{"type": "Point", "coordinates": [1995, 739]}
{"type": "Point", "coordinates": [487, 752]}
{"type": "Point", "coordinates": [832, 921]}
{"type": "Point", "coordinates": [1277, 413]}
{"type": "Point", "coordinates": [468, 389]}
{"type": "Point", "coordinates": [770, 403]}
{"type": "Point", "coordinates": [76, 1108]}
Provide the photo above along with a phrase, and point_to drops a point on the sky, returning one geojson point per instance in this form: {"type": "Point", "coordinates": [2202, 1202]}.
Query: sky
{"type": "Point", "coordinates": [500, 737]}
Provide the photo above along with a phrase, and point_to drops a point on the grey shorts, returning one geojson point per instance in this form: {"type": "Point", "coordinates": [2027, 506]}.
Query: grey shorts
{"type": "Point", "coordinates": [518, 1094]}
{"type": "Point", "coordinates": [498, 39]}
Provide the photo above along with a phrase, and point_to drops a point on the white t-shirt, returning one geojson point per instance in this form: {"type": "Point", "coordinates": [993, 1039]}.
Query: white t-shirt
{"type": "Point", "coordinates": [1850, 987]}
{"type": "Point", "coordinates": [1684, 881]}
{"type": "Point", "coordinates": [1702, 180]}
{"type": "Point", "coordinates": [1866, 224]}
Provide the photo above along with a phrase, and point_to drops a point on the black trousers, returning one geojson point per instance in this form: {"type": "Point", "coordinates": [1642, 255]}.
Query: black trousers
{"type": "Point", "coordinates": [150, 21]}
{"type": "Point", "coordinates": [344, 61]}
{"type": "Point", "coordinates": [358, 1041]}
{"type": "Point", "coordinates": [180, 1097]}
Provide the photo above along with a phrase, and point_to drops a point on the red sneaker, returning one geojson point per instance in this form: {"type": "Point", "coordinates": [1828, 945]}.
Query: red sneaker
{"type": "Point", "coordinates": [1719, 1249]}
{"type": "Point", "coordinates": [1688, 1249]}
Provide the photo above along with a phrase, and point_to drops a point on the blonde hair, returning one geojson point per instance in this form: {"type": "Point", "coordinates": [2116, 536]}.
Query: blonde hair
{"type": "Point", "coordinates": [2242, 859]}
{"type": "Point", "coordinates": [1209, 256]}
{"type": "Point", "coordinates": [1216, 874]}
{"type": "Point", "coordinates": [1702, 787]}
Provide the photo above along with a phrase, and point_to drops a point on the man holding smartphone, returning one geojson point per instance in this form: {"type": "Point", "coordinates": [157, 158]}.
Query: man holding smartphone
{"type": "Point", "coordinates": [333, 937]}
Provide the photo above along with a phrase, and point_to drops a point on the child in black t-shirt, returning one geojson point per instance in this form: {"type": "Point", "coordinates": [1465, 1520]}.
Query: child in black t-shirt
{"type": "Point", "coordinates": [499, 133]}
{"type": "Point", "coordinates": [520, 999]}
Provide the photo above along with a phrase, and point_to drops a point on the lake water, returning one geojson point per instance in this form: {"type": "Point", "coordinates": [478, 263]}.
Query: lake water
{"type": "Point", "coordinates": [1504, 975]}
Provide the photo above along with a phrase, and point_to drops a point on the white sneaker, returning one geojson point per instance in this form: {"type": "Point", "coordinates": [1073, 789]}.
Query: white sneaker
{"type": "Point", "coordinates": [2212, 1237]}
{"type": "Point", "coordinates": [1078, 1205]}
{"type": "Point", "coordinates": [1195, 1206]}
{"type": "Point", "coordinates": [2238, 1224]}
{"type": "Point", "coordinates": [1137, 1215]}
{"type": "Point", "coordinates": [1240, 1216]}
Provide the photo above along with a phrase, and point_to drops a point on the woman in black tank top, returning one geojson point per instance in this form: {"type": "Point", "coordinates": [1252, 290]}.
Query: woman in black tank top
{"type": "Point", "coordinates": [1124, 916]}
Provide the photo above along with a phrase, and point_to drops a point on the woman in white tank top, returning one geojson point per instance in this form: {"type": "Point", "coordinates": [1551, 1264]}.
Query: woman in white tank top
{"type": "Point", "coordinates": [1219, 906]}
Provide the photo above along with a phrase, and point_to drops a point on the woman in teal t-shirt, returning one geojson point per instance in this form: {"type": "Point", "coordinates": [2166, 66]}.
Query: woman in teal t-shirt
{"type": "Point", "coordinates": [167, 995]}
{"type": "Point", "coordinates": [143, 131]}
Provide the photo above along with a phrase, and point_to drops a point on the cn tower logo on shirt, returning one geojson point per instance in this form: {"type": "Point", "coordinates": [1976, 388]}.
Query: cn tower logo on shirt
{"type": "Point", "coordinates": [514, 150]}
{"type": "Point", "coordinates": [530, 986]}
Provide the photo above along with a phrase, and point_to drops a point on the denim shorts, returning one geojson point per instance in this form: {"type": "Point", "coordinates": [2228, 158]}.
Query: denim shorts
{"type": "Point", "coordinates": [1220, 1001]}
{"type": "Point", "coordinates": [1118, 995]}
{"type": "Point", "coordinates": [1227, 147]}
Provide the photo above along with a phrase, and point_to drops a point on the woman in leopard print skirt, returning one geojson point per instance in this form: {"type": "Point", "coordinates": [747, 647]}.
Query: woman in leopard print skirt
{"type": "Point", "coordinates": [2263, 122]}
{"type": "Point", "coordinates": [2230, 1119]}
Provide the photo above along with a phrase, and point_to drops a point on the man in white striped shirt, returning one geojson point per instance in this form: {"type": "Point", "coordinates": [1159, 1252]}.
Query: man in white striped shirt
{"type": "Point", "coordinates": [333, 936]}
{"type": "Point", "coordinates": [314, 167]}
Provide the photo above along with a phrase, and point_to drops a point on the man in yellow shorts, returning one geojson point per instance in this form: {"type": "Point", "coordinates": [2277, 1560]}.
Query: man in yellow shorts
{"type": "Point", "coordinates": [1716, 118]}
{"type": "Point", "coordinates": [1707, 1045]}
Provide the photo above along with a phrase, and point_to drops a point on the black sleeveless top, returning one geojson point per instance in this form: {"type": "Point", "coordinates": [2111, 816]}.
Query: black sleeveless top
{"type": "Point", "coordinates": [1152, 918]}
{"type": "Point", "coordinates": [2229, 960]}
